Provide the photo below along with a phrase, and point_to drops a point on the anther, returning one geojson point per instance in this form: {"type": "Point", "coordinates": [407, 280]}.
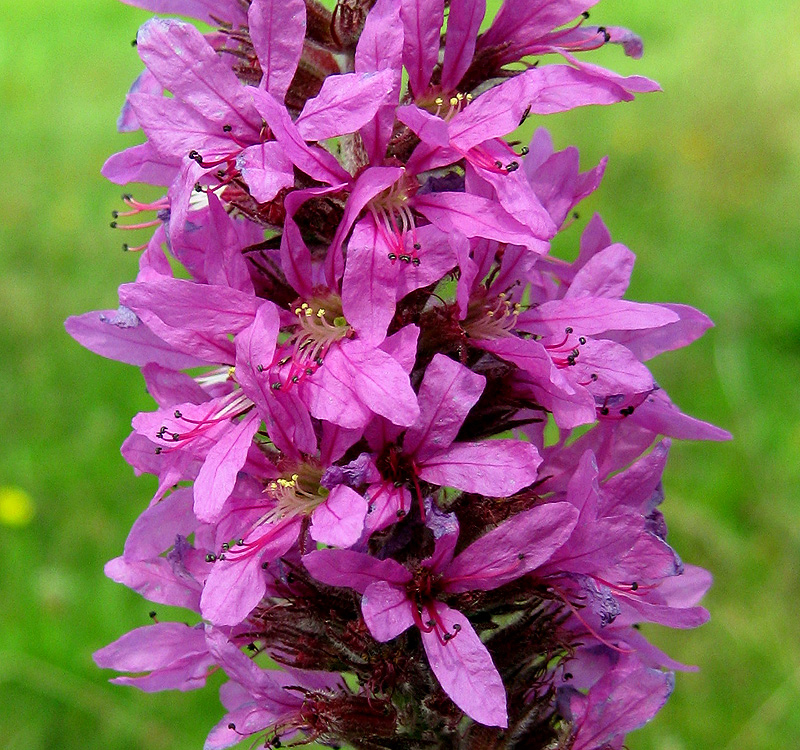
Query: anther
{"type": "Point", "coordinates": [276, 386]}
{"type": "Point", "coordinates": [521, 556]}
{"type": "Point", "coordinates": [512, 166]}
{"type": "Point", "coordinates": [392, 256]}
{"type": "Point", "coordinates": [227, 128]}
{"type": "Point", "coordinates": [152, 614]}
{"type": "Point", "coordinates": [232, 726]}
{"type": "Point", "coordinates": [524, 151]}
{"type": "Point", "coordinates": [604, 411]}
{"type": "Point", "coordinates": [594, 376]}
{"type": "Point", "coordinates": [113, 224]}
{"type": "Point", "coordinates": [405, 258]}
{"type": "Point", "coordinates": [415, 261]}
{"type": "Point", "coordinates": [417, 246]}
{"type": "Point", "coordinates": [568, 329]}
{"type": "Point", "coordinates": [582, 340]}
{"type": "Point", "coordinates": [499, 164]}
{"type": "Point", "coordinates": [602, 30]}
{"type": "Point", "coordinates": [567, 675]}
{"type": "Point", "coordinates": [178, 414]}
{"type": "Point", "coordinates": [210, 557]}
{"type": "Point", "coordinates": [634, 586]}
{"type": "Point", "coordinates": [456, 627]}
{"type": "Point", "coordinates": [295, 378]}
{"type": "Point", "coordinates": [194, 155]}
{"type": "Point", "coordinates": [585, 15]}
{"type": "Point", "coordinates": [259, 368]}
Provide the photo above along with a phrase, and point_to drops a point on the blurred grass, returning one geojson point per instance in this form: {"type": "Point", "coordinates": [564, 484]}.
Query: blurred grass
{"type": "Point", "coordinates": [702, 184]}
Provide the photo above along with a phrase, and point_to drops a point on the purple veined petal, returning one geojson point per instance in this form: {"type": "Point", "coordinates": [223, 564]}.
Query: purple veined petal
{"type": "Point", "coordinates": [237, 584]}
{"type": "Point", "coordinates": [380, 47]}
{"type": "Point", "coordinates": [609, 368]}
{"type": "Point", "coordinates": [217, 477]}
{"type": "Point", "coordinates": [659, 415]}
{"type": "Point", "coordinates": [590, 316]}
{"type": "Point", "coordinates": [422, 22]}
{"type": "Point", "coordinates": [370, 183]}
{"type": "Point", "coordinates": [431, 129]}
{"type": "Point", "coordinates": [183, 61]}
{"type": "Point", "coordinates": [174, 128]}
{"type": "Point", "coordinates": [465, 669]}
{"type": "Point", "coordinates": [447, 393]}
{"type": "Point", "coordinates": [464, 20]}
{"type": "Point", "coordinates": [205, 10]}
{"type": "Point", "coordinates": [606, 274]}
{"type": "Point", "coordinates": [155, 580]}
{"type": "Point", "coordinates": [636, 487]}
{"type": "Point", "coordinates": [330, 394]}
{"type": "Point", "coordinates": [387, 610]}
{"type": "Point", "coordinates": [122, 336]}
{"type": "Point", "coordinates": [520, 20]}
{"type": "Point", "coordinates": [296, 260]}
{"type": "Point", "coordinates": [141, 164]}
{"type": "Point", "coordinates": [145, 83]}
{"type": "Point", "coordinates": [152, 647]}
{"type": "Point", "coordinates": [516, 547]}
{"type": "Point", "coordinates": [496, 468]}
{"type": "Point", "coordinates": [475, 216]}
{"type": "Point", "coordinates": [645, 345]}
{"type": "Point", "coordinates": [168, 387]}
{"type": "Point", "coordinates": [316, 162]}
{"type": "Point", "coordinates": [277, 29]}
{"type": "Point", "coordinates": [624, 699]}
{"type": "Point", "coordinates": [369, 283]}
{"type": "Point", "coordinates": [387, 505]}
{"type": "Point", "coordinates": [345, 103]}
{"type": "Point", "coordinates": [402, 347]}
{"type": "Point", "coordinates": [608, 78]}
{"type": "Point", "coordinates": [562, 87]}
{"type": "Point", "coordinates": [225, 266]}
{"type": "Point", "coordinates": [266, 170]}
{"type": "Point", "coordinates": [335, 442]}
{"type": "Point", "coordinates": [353, 570]}
{"type": "Point", "coordinates": [189, 674]}
{"type": "Point", "coordinates": [379, 381]}
{"type": "Point", "coordinates": [339, 521]}
{"type": "Point", "coordinates": [155, 529]}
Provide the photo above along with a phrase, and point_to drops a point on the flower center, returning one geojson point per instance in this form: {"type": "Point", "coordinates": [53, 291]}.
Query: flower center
{"type": "Point", "coordinates": [395, 220]}
{"type": "Point", "coordinates": [492, 318]}
{"type": "Point", "coordinates": [296, 495]}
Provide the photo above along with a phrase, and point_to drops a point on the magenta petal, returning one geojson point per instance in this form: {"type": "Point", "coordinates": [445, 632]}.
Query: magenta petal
{"type": "Point", "coordinates": [339, 521]}
{"type": "Point", "coordinates": [516, 547]}
{"type": "Point", "coordinates": [463, 23]}
{"type": "Point", "coordinates": [495, 468]}
{"type": "Point", "coordinates": [215, 481]}
{"type": "Point", "coordinates": [141, 163]}
{"type": "Point", "coordinates": [183, 61]}
{"type": "Point", "coordinates": [155, 530]}
{"type": "Point", "coordinates": [277, 28]}
{"type": "Point", "coordinates": [448, 391]}
{"type": "Point", "coordinates": [155, 580]}
{"type": "Point", "coordinates": [345, 103]}
{"type": "Point", "coordinates": [606, 274]}
{"type": "Point", "coordinates": [353, 570]}
{"type": "Point", "coordinates": [152, 647]}
{"type": "Point", "coordinates": [465, 669]}
{"type": "Point", "coordinates": [387, 610]}
{"type": "Point", "coordinates": [422, 21]}
{"type": "Point", "coordinates": [266, 170]}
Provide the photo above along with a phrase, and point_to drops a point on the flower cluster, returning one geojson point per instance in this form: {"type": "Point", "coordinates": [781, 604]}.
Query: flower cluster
{"type": "Point", "coordinates": [417, 462]}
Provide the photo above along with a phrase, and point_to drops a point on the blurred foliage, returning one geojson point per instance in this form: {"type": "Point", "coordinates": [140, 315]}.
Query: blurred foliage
{"type": "Point", "coordinates": [702, 185]}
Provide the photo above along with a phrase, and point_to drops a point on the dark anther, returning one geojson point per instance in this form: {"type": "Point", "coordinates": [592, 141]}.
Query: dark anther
{"type": "Point", "coordinates": [499, 164]}
{"type": "Point", "coordinates": [627, 411]}
{"type": "Point", "coordinates": [582, 340]}
{"type": "Point", "coordinates": [211, 557]}
{"type": "Point", "coordinates": [602, 30]}
{"type": "Point", "coordinates": [240, 541]}
{"type": "Point", "coordinates": [290, 578]}
{"type": "Point", "coordinates": [113, 224]}
{"type": "Point", "coordinates": [405, 258]}
{"type": "Point", "coordinates": [127, 196]}
{"type": "Point", "coordinates": [232, 726]}
{"type": "Point", "coordinates": [318, 360]}
{"type": "Point", "coordinates": [259, 368]}
{"type": "Point", "coordinates": [295, 378]}
{"type": "Point", "coordinates": [227, 128]}
{"type": "Point", "coordinates": [456, 627]}
{"type": "Point", "coordinates": [276, 386]}
{"type": "Point", "coordinates": [176, 436]}
{"type": "Point", "coordinates": [576, 215]}
{"type": "Point", "coordinates": [634, 586]}
{"type": "Point", "coordinates": [392, 256]}
{"type": "Point", "coordinates": [178, 414]}
{"type": "Point", "coordinates": [221, 556]}
{"type": "Point", "coordinates": [417, 246]}
{"type": "Point", "coordinates": [524, 151]}
{"type": "Point", "coordinates": [160, 433]}
{"type": "Point", "coordinates": [226, 546]}
{"type": "Point", "coordinates": [415, 261]}
{"type": "Point", "coordinates": [521, 556]}
{"type": "Point", "coordinates": [571, 360]}
{"type": "Point", "coordinates": [512, 166]}
{"type": "Point", "coordinates": [604, 411]}
{"type": "Point", "coordinates": [567, 675]}
{"type": "Point", "coordinates": [585, 14]}
{"type": "Point", "coordinates": [220, 173]}
{"type": "Point", "coordinates": [401, 513]}
{"type": "Point", "coordinates": [194, 155]}
{"type": "Point", "coordinates": [309, 371]}
{"type": "Point", "coordinates": [125, 247]}
{"type": "Point", "coordinates": [264, 566]}
{"type": "Point", "coordinates": [134, 42]}
{"type": "Point", "coordinates": [398, 484]}
{"type": "Point", "coordinates": [198, 188]}
{"type": "Point", "coordinates": [525, 113]}
{"type": "Point", "coordinates": [252, 647]}
{"type": "Point", "coordinates": [276, 743]}
{"type": "Point", "coordinates": [152, 614]}
{"type": "Point", "coordinates": [568, 329]}
{"type": "Point", "coordinates": [593, 376]}
{"type": "Point", "coordinates": [158, 450]}
{"type": "Point", "coordinates": [446, 637]}
{"type": "Point", "coordinates": [114, 214]}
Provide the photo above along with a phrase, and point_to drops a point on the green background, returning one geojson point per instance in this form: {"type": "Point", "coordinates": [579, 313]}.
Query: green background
{"type": "Point", "coordinates": [702, 184]}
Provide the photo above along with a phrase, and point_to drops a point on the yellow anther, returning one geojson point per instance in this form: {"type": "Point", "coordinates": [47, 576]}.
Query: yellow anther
{"type": "Point", "coordinates": [295, 477]}
{"type": "Point", "coordinates": [297, 310]}
{"type": "Point", "coordinates": [469, 97]}
{"type": "Point", "coordinates": [490, 313]}
{"type": "Point", "coordinates": [309, 312]}
{"type": "Point", "coordinates": [321, 313]}
{"type": "Point", "coordinates": [453, 101]}
{"type": "Point", "coordinates": [231, 372]}
{"type": "Point", "coordinates": [438, 101]}
{"type": "Point", "coordinates": [502, 295]}
{"type": "Point", "coordinates": [459, 96]}
{"type": "Point", "coordinates": [517, 307]}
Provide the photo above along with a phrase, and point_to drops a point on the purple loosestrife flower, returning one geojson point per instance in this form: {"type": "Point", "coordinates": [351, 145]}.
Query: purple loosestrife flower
{"type": "Point", "coordinates": [357, 340]}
